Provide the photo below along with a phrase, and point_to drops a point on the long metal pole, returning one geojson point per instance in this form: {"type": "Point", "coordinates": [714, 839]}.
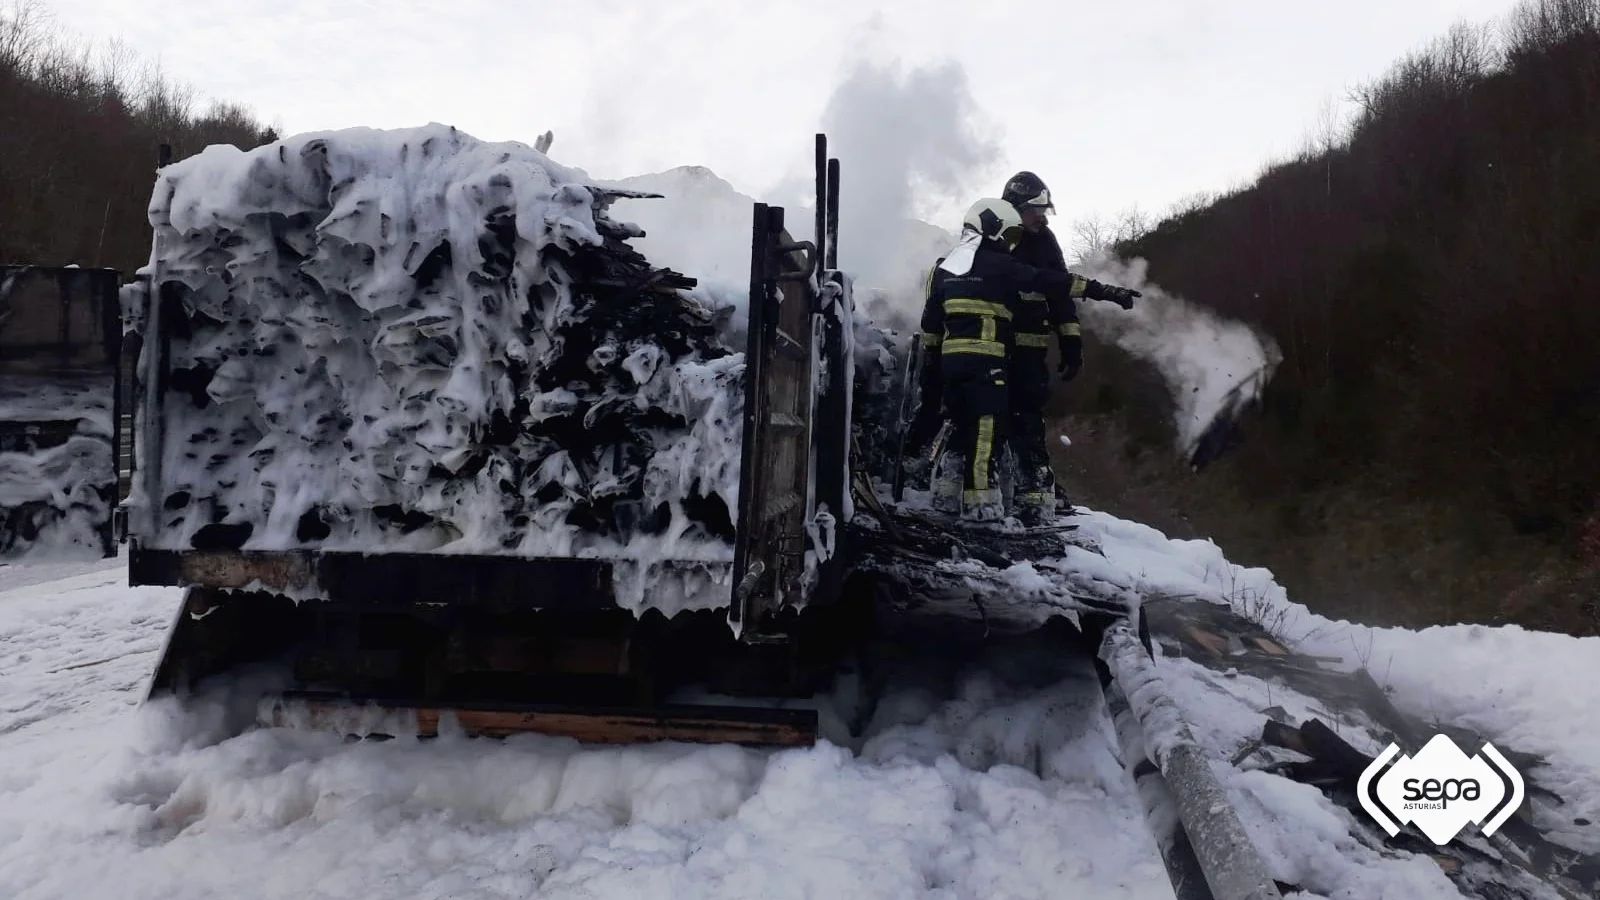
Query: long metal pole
{"type": "Point", "coordinates": [1233, 867]}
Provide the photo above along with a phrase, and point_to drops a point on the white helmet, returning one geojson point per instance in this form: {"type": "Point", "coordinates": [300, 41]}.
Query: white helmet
{"type": "Point", "coordinates": [995, 220]}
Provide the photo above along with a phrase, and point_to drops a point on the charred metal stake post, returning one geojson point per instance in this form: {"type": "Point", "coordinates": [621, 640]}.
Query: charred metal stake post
{"type": "Point", "coordinates": [832, 255]}
{"type": "Point", "coordinates": [910, 397]}
{"type": "Point", "coordinates": [832, 444]}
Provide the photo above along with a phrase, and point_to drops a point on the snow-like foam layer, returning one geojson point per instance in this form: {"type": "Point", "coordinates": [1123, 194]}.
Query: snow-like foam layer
{"type": "Point", "coordinates": [983, 777]}
{"type": "Point", "coordinates": [55, 492]}
{"type": "Point", "coordinates": [986, 778]}
{"type": "Point", "coordinates": [421, 341]}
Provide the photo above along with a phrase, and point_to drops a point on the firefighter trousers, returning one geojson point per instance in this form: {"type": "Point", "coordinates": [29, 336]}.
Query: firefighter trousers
{"type": "Point", "coordinates": [975, 396]}
{"type": "Point", "coordinates": [1030, 391]}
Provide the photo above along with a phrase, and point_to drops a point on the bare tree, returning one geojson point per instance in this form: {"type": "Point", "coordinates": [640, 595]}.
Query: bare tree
{"type": "Point", "coordinates": [1132, 224]}
{"type": "Point", "coordinates": [23, 30]}
{"type": "Point", "coordinates": [1091, 237]}
{"type": "Point", "coordinates": [79, 126]}
{"type": "Point", "coordinates": [1191, 203]}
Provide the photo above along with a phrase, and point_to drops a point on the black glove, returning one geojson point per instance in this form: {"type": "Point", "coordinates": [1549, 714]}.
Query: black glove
{"type": "Point", "coordinates": [1110, 293]}
{"type": "Point", "coordinates": [1071, 356]}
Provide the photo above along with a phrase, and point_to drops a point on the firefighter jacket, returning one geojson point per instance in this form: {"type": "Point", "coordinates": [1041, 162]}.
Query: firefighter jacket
{"type": "Point", "coordinates": [973, 298]}
{"type": "Point", "coordinates": [1041, 314]}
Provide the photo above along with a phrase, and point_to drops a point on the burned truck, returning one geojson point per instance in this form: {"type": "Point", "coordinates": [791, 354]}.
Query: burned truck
{"type": "Point", "coordinates": [414, 426]}
{"type": "Point", "coordinates": [417, 429]}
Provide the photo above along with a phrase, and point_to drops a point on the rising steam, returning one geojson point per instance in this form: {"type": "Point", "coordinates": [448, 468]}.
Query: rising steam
{"type": "Point", "coordinates": [1214, 367]}
{"type": "Point", "coordinates": [913, 146]}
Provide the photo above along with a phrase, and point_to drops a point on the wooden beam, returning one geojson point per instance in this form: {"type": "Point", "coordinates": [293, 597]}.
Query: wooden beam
{"type": "Point", "coordinates": [758, 726]}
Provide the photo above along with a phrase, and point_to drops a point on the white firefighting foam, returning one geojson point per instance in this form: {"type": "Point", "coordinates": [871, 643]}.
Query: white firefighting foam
{"type": "Point", "coordinates": [379, 331]}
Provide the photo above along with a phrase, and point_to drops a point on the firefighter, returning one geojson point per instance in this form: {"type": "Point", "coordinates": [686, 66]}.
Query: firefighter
{"type": "Point", "coordinates": [1041, 315]}
{"type": "Point", "coordinates": [967, 335]}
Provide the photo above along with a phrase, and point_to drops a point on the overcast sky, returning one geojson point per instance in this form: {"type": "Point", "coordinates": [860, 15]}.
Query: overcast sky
{"type": "Point", "coordinates": [1115, 104]}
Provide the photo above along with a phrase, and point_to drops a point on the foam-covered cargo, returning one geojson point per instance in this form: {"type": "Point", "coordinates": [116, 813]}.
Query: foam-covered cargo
{"type": "Point", "coordinates": [59, 346]}
{"type": "Point", "coordinates": [415, 341]}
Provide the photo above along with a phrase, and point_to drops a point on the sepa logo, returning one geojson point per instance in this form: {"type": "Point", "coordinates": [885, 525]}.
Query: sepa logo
{"type": "Point", "coordinates": [1440, 790]}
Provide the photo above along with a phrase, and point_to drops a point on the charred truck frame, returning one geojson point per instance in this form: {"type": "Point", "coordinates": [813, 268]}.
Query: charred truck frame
{"type": "Point", "coordinates": [511, 644]}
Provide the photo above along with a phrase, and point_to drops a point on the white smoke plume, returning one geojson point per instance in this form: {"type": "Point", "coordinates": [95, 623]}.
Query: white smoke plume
{"type": "Point", "coordinates": [913, 146]}
{"type": "Point", "coordinates": [1213, 366]}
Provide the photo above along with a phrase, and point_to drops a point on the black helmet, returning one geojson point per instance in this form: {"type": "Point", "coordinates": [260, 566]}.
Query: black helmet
{"type": "Point", "coordinates": [1025, 190]}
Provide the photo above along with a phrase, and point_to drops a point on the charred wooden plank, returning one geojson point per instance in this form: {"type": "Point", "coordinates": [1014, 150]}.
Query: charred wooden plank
{"type": "Point", "coordinates": [1330, 748]}
{"type": "Point", "coordinates": [1278, 734]}
{"type": "Point", "coordinates": [1214, 643]}
{"type": "Point", "coordinates": [751, 726]}
{"type": "Point", "coordinates": [1268, 645]}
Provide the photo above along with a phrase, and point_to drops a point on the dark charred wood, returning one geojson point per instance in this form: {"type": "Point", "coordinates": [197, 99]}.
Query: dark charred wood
{"type": "Point", "coordinates": [756, 726]}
